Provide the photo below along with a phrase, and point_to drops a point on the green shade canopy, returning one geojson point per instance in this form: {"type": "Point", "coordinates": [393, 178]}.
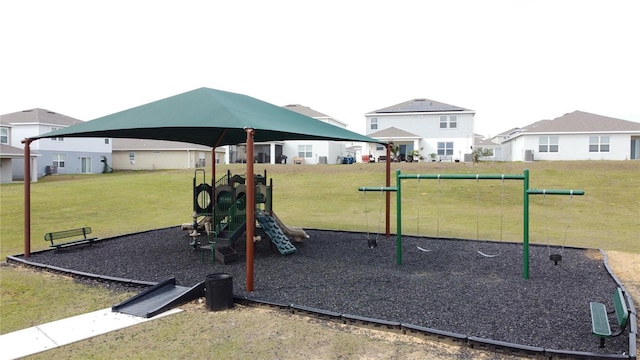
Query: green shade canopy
{"type": "Point", "coordinates": [209, 117]}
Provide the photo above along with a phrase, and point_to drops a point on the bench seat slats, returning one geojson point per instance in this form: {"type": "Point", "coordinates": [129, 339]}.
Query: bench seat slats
{"type": "Point", "coordinates": [51, 236]}
{"type": "Point", "coordinates": [57, 235]}
{"type": "Point", "coordinates": [599, 319]}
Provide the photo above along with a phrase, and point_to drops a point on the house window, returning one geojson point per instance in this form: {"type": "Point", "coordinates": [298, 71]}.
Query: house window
{"type": "Point", "coordinates": [445, 148]}
{"type": "Point", "coordinates": [548, 144]}
{"type": "Point", "coordinates": [448, 121]}
{"type": "Point", "coordinates": [132, 158]}
{"type": "Point", "coordinates": [599, 144]}
{"type": "Point", "coordinates": [58, 160]}
{"type": "Point", "coordinates": [379, 147]}
{"type": "Point", "coordinates": [453, 122]}
{"type": "Point", "coordinates": [60, 138]}
{"type": "Point", "coordinates": [4, 135]}
{"type": "Point", "coordinates": [304, 151]}
{"type": "Point", "coordinates": [106, 141]}
{"type": "Point", "coordinates": [374, 123]}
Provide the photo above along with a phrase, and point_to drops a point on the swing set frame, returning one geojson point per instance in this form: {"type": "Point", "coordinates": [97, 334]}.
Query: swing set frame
{"type": "Point", "coordinates": [524, 177]}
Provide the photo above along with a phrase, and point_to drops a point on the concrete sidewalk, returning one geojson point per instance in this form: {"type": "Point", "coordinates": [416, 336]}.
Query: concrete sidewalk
{"type": "Point", "coordinates": [62, 332]}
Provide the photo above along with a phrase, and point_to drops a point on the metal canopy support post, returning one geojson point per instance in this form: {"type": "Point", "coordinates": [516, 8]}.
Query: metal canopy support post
{"type": "Point", "coordinates": [27, 197]}
{"type": "Point", "coordinates": [250, 209]}
{"type": "Point", "coordinates": [213, 179]}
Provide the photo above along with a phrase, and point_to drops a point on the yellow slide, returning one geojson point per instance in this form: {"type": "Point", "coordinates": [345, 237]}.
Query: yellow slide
{"type": "Point", "coordinates": [296, 234]}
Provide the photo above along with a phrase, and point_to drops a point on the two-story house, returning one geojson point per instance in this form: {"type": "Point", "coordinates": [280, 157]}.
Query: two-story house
{"type": "Point", "coordinates": [577, 135]}
{"type": "Point", "coordinates": [316, 152]}
{"type": "Point", "coordinates": [438, 131]}
{"type": "Point", "coordinates": [55, 155]}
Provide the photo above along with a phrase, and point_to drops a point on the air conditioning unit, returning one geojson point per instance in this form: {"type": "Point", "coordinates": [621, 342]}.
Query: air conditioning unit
{"type": "Point", "coordinates": [528, 155]}
{"type": "Point", "coordinates": [50, 170]}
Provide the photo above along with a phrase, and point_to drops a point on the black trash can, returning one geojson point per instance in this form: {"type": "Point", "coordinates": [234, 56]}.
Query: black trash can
{"type": "Point", "coordinates": [219, 291]}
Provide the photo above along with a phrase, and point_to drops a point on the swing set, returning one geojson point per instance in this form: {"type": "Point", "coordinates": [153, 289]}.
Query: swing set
{"type": "Point", "coordinates": [526, 193]}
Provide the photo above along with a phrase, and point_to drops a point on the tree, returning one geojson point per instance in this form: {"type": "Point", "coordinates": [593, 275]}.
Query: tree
{"type": "Point", "coordinates": [480, 152]}
{"type": "Point", "coordinates": [394, 152]}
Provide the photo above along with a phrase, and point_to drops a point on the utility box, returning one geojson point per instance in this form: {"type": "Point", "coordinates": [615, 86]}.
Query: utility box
{"type": "Point", "coordinates": [528, 155]}
{"type": "Point", "coordinates": [50, 170]}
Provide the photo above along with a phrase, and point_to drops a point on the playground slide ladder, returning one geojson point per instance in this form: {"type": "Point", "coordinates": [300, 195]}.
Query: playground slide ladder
{"type": "Point", "coordinates": [231, 224]}
{"type": "Point", "coordinates": [272, 229]}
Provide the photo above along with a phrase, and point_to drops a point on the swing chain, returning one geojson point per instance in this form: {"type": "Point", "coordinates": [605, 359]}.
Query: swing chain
{"type": "Point", "coordinates": [567, 221]}
{"type": "Point", "coordinates": [372, 243]}
{"type": "Point", "coordinates": [478, 216]}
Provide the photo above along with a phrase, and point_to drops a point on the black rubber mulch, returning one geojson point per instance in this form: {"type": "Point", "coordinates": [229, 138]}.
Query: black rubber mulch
{"type": "Point", "coordinates": [451, 287]}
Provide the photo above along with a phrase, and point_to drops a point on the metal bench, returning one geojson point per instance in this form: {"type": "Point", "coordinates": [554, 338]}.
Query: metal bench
{"type": "Point", "coordinates": [600, 319]}
{"type": "Point", "coordinates": [65, 234]}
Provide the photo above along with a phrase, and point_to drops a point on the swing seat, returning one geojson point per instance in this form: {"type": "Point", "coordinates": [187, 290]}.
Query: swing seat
{"type": "Point", "coordinates": [488, 255]}
{"type": "Point", "coordinates": [555, 258]}
{"type": "Point", "coordinates": [373, 243]}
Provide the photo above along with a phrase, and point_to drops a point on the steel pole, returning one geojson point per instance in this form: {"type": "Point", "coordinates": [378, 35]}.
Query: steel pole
{"type": "Point", "coordinates": [387, 218]}
{"type": "Point", "coordinates": [27, 197]}
{"type": "Point", "coordinates": [525, 230]}
{"type": "Point", "coordinates": [250, 208]}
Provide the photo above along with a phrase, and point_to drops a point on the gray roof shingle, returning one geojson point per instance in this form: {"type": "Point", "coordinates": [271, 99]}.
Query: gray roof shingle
{"type": "Point", "coordinates": [40, 116]}
{"type": "Point", "coordinates": [580, 121]}
{"type": "Point", "coordinates": [10, 151]}
{"type": "Point", "coordinates": [305, 110]}
{"type": "Point", "coordinates": [392, 132]}
{"type": "Point", "coordinates": [419, 105]}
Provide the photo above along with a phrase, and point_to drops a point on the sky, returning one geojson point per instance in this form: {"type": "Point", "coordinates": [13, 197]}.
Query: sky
{"type": "Point", "coordinates": [513, 62]}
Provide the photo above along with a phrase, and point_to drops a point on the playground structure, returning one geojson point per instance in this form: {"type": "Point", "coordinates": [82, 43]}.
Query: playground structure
{"type": "Point", "coordinates": [220, 211]}
{"type": "Point", "coordinates": [526, 193]}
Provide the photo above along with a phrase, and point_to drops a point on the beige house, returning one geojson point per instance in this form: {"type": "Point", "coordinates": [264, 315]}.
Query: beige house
{"type": "Point", "coordinates": [141, 154]}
